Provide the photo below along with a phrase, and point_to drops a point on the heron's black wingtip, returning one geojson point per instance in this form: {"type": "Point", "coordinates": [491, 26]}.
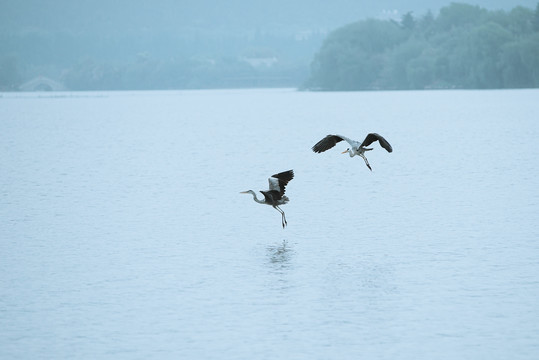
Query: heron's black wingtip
{"type": "Point", "coordinates": [284, 176]}
{"type": "Point", "coordinates": [320, 147]}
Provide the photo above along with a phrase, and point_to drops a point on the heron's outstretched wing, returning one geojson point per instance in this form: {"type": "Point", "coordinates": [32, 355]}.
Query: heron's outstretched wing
{"type": "Point", "coordinates": [278, 182]}
{"type": "Point", "coordinates": [372, 137]}
{"type": "Point", "coordinates": [330, 141]}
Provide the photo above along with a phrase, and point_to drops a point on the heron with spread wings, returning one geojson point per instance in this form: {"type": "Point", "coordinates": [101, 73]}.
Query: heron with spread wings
{"type": "Point", "coordinates": [356, 148]}
{"type": "Point", "coordinates": [275, 195]}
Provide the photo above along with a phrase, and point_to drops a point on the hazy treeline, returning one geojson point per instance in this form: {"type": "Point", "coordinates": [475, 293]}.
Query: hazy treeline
{"type": "Point", "coordinates": [254, 67]}
{"type": "Point", "coordinates": [464, 46]}
{"type": "Point", "coordinates": [177, 73]}
{"type": "Point", "coordinates": [140, 44]}
{"type": "Point", "coordinates": [169, 44]}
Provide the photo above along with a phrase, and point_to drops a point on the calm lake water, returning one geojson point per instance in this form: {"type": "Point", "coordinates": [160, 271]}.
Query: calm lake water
{"type": "Point", "coordinates": [123, 234]}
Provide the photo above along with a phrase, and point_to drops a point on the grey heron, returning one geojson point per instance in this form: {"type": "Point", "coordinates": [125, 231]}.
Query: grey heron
{"type": "Point", "coordinates": [275, 195]}
{"type": "Point", "coordinates": [356, 148]}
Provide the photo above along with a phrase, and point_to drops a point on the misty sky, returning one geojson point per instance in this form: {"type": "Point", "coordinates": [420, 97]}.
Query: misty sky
{"type": "Point", "coordinates": [162, 15]}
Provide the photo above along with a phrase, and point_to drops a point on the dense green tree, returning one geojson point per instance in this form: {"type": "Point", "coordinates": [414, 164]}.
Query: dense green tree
{"type": "Point", "coordinates": [396, 73]}
{"type": "Point", "coordinates": [486, 42]}
{"type": "Point", "coordinates": [529, 54]}
{"type": "Point", "coordinates": [464, 47]}
{"type": "Point", "coordinates": [408, 21]}
{"type": "Point", "coordinates": [426, 24]}
{"type": "Point", "coordinates": [520, 21]}
{"type": "Point", "coordinates": [352, 57]}
{"type": "Point", "coordinates": [458, 15]}
{"type": "Point", "coordinates": [515, 73]}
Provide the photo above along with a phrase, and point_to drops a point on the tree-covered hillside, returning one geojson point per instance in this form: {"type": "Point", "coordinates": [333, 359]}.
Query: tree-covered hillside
{"type": "Point", "coordinates": [464, 46]}
{"type": "Point", "coordinates": [172, 44]}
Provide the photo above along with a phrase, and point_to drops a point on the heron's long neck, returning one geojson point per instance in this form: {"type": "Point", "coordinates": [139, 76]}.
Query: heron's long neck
{"type": "Point", "coordinates": [255, 198]}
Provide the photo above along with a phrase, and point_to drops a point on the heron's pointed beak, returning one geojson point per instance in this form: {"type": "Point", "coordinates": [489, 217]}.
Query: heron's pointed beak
{"type": "Point", "coordinates": [243, 192]}
{"type": "Point", "coordinates": [345, 151]}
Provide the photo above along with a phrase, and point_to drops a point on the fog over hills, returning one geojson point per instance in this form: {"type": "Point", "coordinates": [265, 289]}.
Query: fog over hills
{"type": "Point", "coordinates": [47, 37]}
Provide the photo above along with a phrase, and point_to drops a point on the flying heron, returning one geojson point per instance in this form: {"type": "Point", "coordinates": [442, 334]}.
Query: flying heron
{"type": "Point", "coordinates": [275, 195]}
{"type": "Point", "coordinates": [356, 148]}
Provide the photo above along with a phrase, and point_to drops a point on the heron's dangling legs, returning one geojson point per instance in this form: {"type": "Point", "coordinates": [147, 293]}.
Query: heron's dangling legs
{"type": "Point", "coordinates": [283, 217]}
{"type": "Point", "coordinates": [366, 161]}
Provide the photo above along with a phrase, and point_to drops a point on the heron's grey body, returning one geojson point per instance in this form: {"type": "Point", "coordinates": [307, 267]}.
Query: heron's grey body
{"type": "Point", "coordinates": [275, 195]}
{"type": "Point", "coordinates": [356, 148]}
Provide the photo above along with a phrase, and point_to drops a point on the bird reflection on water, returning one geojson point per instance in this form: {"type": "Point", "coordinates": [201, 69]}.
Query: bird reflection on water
{"type": "Point", "coordinates": [280, 255]}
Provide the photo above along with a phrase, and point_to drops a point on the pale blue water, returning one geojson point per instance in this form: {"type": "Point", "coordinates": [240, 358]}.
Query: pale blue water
{"type": "Point", "coordinates": [123, 234]}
